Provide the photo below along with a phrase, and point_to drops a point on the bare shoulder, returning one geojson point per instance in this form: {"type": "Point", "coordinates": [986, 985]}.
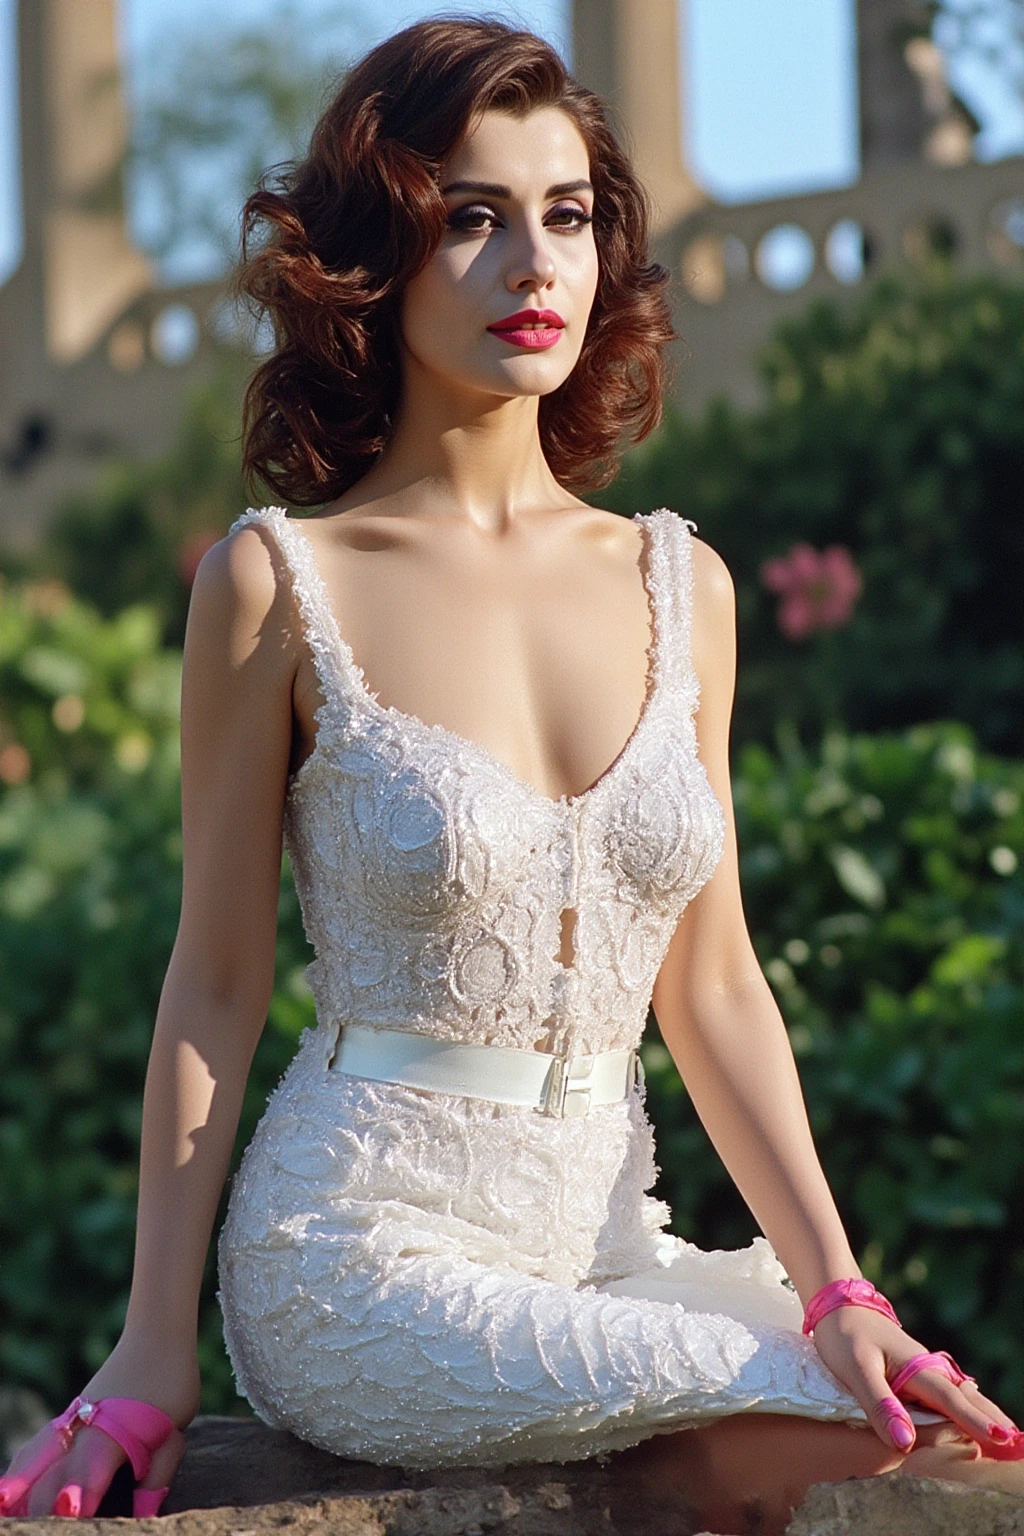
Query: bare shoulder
{"type": "Point", "coordinates": [714, 623]}
{"type": "Point", "coordinates": [238, 595]}
{"type": "Point", "coordinates": [713, 586]}
{"type": "Point", "coordinates": [240, 568]}
{"type": "Point", "coordinates": [238, 575]}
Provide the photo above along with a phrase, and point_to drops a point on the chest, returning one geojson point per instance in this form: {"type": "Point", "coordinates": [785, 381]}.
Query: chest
{"type": "Point", "coordinates": [548, 671]}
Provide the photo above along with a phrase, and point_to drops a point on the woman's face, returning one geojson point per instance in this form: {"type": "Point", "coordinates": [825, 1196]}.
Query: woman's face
{"type": "Point", "coordinates": [519, 237]}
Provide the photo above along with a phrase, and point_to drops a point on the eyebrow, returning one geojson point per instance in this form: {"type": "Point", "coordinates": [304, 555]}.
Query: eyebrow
{"type": "Point", "coordinates": [495, 189]}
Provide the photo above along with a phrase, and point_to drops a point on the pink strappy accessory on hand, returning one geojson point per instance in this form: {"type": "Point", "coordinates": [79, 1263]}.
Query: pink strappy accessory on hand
{"type": "Point", "coordinates": [138, 1428]}
{"type": "Point", "coordinates": [861, 1293]}
{"type": "Point", "coordinates": [1012, 1447]}
{"type": "Point", "coordinates": [846, 1293]}
{"type": "Point", "coordinates": [926, 1360]}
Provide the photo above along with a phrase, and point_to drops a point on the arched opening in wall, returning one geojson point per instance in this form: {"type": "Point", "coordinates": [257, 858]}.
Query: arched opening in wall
{"type": "Point", "coordinates": [174, 334]}
{"type": "Point", "coordinates": [784, 258]}
{"type": "Point", "coordinates": [231, 322]}
{"type": "Point", "coordinates": [930, 237]}
{"type": "Point", "coordinates": [126, 346]}
{"type": "Point", "coordinates": [702, 268]}
{"type": "Point", "coordinates": [711, 263]}
{"type": "Point", "coordinates": [1004, 234]}
{"type": "Point", "coordinates": [848, 251]}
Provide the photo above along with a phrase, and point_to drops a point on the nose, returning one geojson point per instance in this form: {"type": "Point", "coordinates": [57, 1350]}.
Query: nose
{"type": "Point", "coordinates": [532, 265]}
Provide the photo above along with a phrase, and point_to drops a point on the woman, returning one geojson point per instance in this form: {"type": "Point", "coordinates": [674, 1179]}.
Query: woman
{"type": "Point", "coordinates": [510, 827]}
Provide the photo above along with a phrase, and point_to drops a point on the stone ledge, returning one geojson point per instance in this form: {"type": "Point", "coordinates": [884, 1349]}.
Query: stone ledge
{"type": "Point", "coordinates": [900, 1505]}
{"type": "Point", "coordinates": [240, 1478]}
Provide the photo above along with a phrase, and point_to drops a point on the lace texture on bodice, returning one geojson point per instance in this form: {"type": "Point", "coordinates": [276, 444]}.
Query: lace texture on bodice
{"type": "Point", "coordinates": [432, 879]}
{"type": "Point", "coordinates": [429, 1278]}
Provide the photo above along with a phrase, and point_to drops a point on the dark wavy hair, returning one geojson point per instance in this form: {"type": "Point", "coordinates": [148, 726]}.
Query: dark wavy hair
{"type": "Point", "coordinates": [353, 222]}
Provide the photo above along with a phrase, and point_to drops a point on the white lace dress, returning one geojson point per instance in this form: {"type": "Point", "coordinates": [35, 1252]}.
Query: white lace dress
{"type": "Point", "coordinates": [425, 1279]}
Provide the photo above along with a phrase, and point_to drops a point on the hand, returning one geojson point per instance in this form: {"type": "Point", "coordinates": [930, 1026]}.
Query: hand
{"type": "Point", "coordinates": [863, 1348]}
{"type": "Point", "coordinates": [82, 1475]}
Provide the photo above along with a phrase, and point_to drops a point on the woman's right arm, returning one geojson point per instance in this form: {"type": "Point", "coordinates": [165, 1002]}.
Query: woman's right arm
{"type": "Point", "coordinates": [236, 731]}
{"type": "Point", "coordinates": [236, 726]}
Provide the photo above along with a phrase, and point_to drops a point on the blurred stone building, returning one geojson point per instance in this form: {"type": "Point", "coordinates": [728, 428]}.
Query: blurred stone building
{"type": "Point", "coordinates": [95, 354]}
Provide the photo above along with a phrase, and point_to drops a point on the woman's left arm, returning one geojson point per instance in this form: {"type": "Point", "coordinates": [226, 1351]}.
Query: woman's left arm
{"type": "Point", "coordinates": [716, 1011]}
{"type": "Point", "coordinates": [719, 1019]}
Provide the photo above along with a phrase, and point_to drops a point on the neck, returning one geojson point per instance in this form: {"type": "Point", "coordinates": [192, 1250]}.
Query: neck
{"type": "Point", "coordinates": [453, 454]}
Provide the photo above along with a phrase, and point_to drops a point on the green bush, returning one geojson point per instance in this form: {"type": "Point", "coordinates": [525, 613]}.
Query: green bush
{"type": "Point", "coordinates": [891, 424]}
{"type": "Point", "coordinates": [883, 887]}
{"type": "Point", "coordinates": [90, 892]}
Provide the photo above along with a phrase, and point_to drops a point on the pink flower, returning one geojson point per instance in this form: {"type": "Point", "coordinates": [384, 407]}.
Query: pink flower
{"type": "Point", "coordinates": [818, 588]}
{"type": "Point", "coordinates": [192, 551]}
{"type": "Point", "coordinates": [15, 764]}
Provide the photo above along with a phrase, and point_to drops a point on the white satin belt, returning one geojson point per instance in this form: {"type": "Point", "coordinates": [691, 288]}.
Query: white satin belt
{"type": "Point", "coordinates": [553, 1085]}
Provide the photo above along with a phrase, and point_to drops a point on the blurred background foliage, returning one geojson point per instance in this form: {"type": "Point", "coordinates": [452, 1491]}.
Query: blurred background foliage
{"type": "Point", "coordinates": [137, 532]}
{"type": "Point", "coordinates": [879, 776]}
{"type": "Point", "coordinates": [90, 891]}
{"type": "Point", "coordinates": [892, 425]}
{"type": "Point", "coordinates": [883, 888]}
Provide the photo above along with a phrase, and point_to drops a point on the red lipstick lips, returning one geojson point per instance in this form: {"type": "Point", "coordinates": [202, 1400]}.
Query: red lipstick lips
{"type": "Point", "coordinates": [533, 329]}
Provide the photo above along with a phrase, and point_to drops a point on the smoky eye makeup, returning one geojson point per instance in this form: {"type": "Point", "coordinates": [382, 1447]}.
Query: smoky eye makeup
{"type": "Point", "coordinates": [470, 215]}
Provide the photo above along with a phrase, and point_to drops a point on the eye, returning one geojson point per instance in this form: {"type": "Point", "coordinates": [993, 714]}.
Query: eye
{"type": "Point", "coordinates": [569, 210]}
{"type": "Point", "coordinates": [474, 216]}
{"type": "Point", "coordinates": [469, 217]}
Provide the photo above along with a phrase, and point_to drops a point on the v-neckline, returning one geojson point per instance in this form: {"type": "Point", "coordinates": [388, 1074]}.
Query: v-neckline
{"type": "Point", "coordinates": [347, 669]}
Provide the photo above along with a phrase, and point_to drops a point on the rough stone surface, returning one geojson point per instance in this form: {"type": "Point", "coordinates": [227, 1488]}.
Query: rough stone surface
{"type": "Point", "coordinates": [898, 1505]}
{"type": "Point", "coordinates": [240, 1478]}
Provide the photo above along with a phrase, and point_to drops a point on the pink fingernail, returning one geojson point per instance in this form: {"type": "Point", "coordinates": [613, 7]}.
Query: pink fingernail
{"type": "Point", "coordinates": [1012, 1452]}
{"type": "Point", "coordinates": [69, 1501]}
{"type": "Point", "coordinates": [897, 1423]}
{"type": "Point", "coordinates": [147, 1501]}
{"type": "Point", "coordinates": [998, 1433]}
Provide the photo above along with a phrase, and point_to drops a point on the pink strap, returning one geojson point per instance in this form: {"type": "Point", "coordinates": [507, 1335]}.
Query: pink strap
{"type": "Point", "coordinates": [856, 1292]}
{"type": "Point", "coordinates": [937, 1360]}
{"type": "Point", "coordinates": [138, 1428]}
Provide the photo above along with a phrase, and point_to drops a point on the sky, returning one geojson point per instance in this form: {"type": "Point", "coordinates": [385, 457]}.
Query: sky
{"type": "Point", "coordinates": [768, 85]}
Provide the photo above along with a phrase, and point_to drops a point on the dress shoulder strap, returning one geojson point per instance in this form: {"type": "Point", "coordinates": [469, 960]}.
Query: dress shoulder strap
{"type": "Point", "coordinates": [318, 626]}
{"type": "Point", "coordinates": [673, 573]}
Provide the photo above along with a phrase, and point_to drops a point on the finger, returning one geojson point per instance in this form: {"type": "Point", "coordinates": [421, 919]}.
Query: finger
{"type": "Point", "coordinates": [28, 1466]}
{"type": "Point", "coordinates": [897, 1427]}
{"type": "Point", "coordinates": [78, 1496]}
{"type": "Point", "coordinates": [88, 1466]}
{"type": "Point", "coordinates": [1004, 1442]}
{"type": "Point", "coordinates": [99, 1459]}
{"type": "Point", "coordinates": [888, 1416]}
{"type": "Point", "coordinates": [964, 1405]}
{"type": "Point", "coordinates": [994, 1414]}
{"type": "Point", "coordinates": [165, 1461]}
{"type": "Point", "coordinates": [155, 1486]}
{"type": "Point", "coordinates": [147, 1501]}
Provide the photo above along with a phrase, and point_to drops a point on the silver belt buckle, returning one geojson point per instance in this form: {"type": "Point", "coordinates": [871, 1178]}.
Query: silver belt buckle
{"type": "Point", "coordinates": [567, 1091]}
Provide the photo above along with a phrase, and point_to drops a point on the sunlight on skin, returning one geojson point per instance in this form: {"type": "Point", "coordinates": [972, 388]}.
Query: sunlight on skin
{"type": "Point", "coordinates": [527, 248]}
